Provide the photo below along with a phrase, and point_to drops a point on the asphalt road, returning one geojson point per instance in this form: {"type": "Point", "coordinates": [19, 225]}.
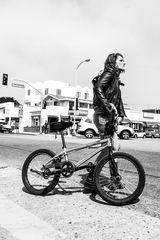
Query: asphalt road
{"type": "Point", "coordinates": [13, 151]}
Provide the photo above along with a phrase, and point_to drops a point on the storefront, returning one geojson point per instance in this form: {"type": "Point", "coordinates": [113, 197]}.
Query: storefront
{"type": "Point", "coordinates": [35, 118]}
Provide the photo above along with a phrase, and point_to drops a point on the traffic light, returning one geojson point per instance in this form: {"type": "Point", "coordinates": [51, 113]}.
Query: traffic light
{"type": "Point", "coordinates": [77, 107]}
{"type": "Point", "coordinates": [5, 79]}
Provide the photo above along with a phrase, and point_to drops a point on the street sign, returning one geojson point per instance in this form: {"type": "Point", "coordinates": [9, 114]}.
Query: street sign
{"type": "Point", "coordinates": [17, 85]}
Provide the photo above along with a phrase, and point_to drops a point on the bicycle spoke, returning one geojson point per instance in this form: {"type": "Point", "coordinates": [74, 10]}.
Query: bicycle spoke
{"type": "Point", "coordinates": [37, 175]}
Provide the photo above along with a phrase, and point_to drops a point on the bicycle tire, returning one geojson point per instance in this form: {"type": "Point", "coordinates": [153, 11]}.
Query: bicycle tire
{"type": "Point", "coordinates": [28, 175]}
{"type": "Point", "coordinates": [128, 168]}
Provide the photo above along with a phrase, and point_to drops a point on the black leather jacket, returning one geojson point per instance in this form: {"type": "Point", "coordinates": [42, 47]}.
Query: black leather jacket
{"type": "Point", "coordinates": [107, 90]}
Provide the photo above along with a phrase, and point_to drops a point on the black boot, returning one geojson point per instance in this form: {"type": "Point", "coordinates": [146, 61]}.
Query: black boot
{"type": "Point", "coordinates": [89, 185]}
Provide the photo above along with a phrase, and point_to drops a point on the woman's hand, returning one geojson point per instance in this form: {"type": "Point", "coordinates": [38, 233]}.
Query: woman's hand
{"type": "Point", "coordinates": [120, 119]}
{"type": "Point", "coordinates": [112, 108]}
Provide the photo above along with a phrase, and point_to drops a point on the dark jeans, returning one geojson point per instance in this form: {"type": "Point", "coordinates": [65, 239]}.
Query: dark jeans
{"type": "Point", "coordinates": [100, 122]}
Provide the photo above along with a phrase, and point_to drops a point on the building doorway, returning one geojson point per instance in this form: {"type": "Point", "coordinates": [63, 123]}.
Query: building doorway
{"type": "Point", "coordinates": [50, 121]}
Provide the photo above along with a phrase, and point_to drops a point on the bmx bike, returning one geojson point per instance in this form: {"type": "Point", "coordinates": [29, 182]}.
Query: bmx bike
{"type": "Point", "coordinates": [43, 168]}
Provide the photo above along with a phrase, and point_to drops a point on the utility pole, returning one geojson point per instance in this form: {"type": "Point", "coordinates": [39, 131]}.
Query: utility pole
{"type": "Point", "coordinates": [75, 97]}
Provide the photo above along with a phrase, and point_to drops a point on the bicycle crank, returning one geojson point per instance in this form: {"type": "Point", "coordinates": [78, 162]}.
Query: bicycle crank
{"type": "Point", "coordinates": [67, 168]}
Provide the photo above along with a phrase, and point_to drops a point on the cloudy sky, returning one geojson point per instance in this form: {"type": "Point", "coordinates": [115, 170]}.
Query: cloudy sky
{"type": "Point", "coordinates": [46, 39]}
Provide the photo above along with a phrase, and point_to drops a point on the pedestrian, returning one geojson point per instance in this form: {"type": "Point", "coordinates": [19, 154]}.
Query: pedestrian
{"type": "Point", "coordinates": [46, 127]}
{"type": "Point", "coordinates": [106, 102]}
{"type": "Point", "coordinates": [43, 129]}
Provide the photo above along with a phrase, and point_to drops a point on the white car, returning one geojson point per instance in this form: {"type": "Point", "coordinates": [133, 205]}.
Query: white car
{"type": "Point", "coordinates": [139, 134]}
{"type": "Point", "coordinates": [88, 129]}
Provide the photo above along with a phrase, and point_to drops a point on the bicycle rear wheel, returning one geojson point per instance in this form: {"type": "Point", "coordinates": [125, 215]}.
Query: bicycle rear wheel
{"type": "Point", "coordinates": [36, 175]}
{"type": "Point", "coordinates": [130, 185]}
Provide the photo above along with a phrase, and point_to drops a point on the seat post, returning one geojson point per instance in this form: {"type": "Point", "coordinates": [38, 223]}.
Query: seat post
{"type": "Point", "coordinates": [63, 140]}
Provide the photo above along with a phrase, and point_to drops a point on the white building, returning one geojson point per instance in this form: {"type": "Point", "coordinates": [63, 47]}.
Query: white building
{"type": "Point", "coordinates": [59, 98]}
{"type": "Point", "coordinates": [10, 113]}
{"type": "Point", "coordinates": [55, 88]}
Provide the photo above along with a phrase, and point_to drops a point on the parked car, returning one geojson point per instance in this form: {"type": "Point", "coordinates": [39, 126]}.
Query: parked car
{"type": "Point", "coordinates": [88, 129]}
{"type": "Point", "coordinates": [5, 128]}
{"type": "Point", "coordinates": [139, 134]}
{"type": "Point", "coordinates": [152, 133]}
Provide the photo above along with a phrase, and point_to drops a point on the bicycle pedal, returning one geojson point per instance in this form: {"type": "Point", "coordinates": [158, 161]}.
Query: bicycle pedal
{"type": "Point", "coordinates": [90, 166]}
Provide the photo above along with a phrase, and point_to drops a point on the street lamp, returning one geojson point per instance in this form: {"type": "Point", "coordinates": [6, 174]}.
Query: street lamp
{"type": "Point", "coordinates": [40, 123]}
{"type": "Point", "coordinates": [75, 83]}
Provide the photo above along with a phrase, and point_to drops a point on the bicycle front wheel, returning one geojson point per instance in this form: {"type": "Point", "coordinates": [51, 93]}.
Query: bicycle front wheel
{"type": "Point", "coordinates": [36, 174]}
{"type": "Point", "coordinates": [130, 183]}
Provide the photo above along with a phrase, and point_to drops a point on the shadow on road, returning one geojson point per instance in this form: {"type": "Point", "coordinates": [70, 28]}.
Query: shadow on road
{"type": "Point", "coordinates": [61, 190]}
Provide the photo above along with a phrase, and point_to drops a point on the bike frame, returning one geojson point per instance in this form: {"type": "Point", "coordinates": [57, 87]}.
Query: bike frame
{"type": "Point", "coordinates": [64, 153]}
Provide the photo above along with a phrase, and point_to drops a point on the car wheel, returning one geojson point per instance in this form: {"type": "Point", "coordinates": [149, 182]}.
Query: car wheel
{"type": "Point", "coordinates": [125, 135]}
{"type": "Point", "coordinates": [89, 133]}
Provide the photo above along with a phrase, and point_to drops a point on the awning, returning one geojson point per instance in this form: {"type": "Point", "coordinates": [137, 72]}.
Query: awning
{"type": "Point", "coordinates": [139, 122]}
{"type": "Point", "coordinates": [148, 124]}
{"type": "Point", "coordinates": [157, 124]}
{"type": "Point", "coordinates": [35, 113]}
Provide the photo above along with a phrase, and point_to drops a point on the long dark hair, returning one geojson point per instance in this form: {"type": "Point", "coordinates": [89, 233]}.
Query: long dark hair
{"type": "Point", "coordinates": [111, 61]}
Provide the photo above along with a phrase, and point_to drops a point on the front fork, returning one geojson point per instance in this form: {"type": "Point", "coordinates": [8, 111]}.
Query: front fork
{"type": "Point", "coordinates": [113, 166]}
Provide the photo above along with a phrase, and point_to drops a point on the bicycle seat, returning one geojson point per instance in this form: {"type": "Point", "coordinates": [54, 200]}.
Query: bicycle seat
{"type": "Point", "coordinates": [60, 126]}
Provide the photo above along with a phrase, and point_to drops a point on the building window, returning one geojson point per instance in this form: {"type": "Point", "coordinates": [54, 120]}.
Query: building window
{"type": "Point", "coordinates": [60, 103]}
{"type": "Point", "coordinates": [35, 121]}
{"type": "Point", "coordinates": [56, 103]}
{"type": "Point", "coordinates": [91, 106]}
{"type": "Point", "coordinates": [71, 105]}
{"type": "Point", "coordinates": [28, 104]}
{"type": "Point", "coordinates": [83, 105]}
{"type": "Point", "coordinates": [58, 92]}
{"type": "Point", "coordinates": [50, 102]}
{"type": "Point", "coordinates": [86, 96]}
{"type": "Point", "coordinates": [46, 91]}
{"type": "Point", "coordinates": [78, 94]}
{"type": "Point", "coordinates": [29, 92]}
{"type": "Point", "coordinates": [2, 110]}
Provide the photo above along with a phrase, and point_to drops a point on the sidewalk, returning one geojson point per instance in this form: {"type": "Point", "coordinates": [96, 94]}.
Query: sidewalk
{"type": "Point", "coordinates": [77, 215]}
{"type": "Point", "coordinates": [69, 138]}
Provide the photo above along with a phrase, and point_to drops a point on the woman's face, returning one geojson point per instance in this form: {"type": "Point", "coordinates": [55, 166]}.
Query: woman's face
{"type": "Point", "coordinates": [120, 63]}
